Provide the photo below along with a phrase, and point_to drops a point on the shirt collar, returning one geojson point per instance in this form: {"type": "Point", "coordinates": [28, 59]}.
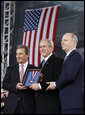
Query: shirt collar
{"type": "Point", "coordinates": [70, 51]}
{"type": "Point", "coordinates": [48, 57]}
{"type": "Point", "coordinates": [25, 64]}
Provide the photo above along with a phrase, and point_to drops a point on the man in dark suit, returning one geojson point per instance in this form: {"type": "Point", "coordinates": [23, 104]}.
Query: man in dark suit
{"type": "Point", "coordinates": [20, 99]}
{"type": "Point", "coordinates": [47, 102]}
{"type": "Point", "coordinates": [71, 78]}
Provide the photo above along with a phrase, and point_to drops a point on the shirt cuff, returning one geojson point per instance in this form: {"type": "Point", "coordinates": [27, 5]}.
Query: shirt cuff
{"type": "Point", "coordinates": [40, 86]}
{"type": "Point", "coordinates": [55, 84]}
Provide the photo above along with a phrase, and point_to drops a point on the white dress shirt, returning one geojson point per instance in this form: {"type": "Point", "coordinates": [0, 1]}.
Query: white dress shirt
{"type": "Point", "coordinates": [47, 57]}
{"type": "Point", "coordinates": [70, 52]}
{"type": "Point", "coordinates": [24, 66]}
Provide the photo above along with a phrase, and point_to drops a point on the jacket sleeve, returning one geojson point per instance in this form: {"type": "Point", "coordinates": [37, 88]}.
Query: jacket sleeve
{"type": "Point", "coordinates": [7, 82]}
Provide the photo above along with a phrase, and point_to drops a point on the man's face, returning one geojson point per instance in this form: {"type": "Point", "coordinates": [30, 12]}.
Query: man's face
{"type": "Point", "coordinates": [67, 43]}
{"type": "Point", "coordinates": [21, 56]}
{"type": "Point", "coordinates": [45, 49]}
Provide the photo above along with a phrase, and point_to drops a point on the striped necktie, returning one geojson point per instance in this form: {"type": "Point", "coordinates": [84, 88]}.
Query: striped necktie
{"type": "Point", "coordinates": [21, 72]}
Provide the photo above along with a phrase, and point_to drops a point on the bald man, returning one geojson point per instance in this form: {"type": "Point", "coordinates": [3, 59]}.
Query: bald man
{"type": "Point", "coordinates": [71, 78]}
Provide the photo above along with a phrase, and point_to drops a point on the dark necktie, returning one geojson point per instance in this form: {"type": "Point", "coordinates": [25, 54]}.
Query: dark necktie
{"type": "Point", "coordinates": [43, 63]}
{"type": "Point", "coordinates": [65, 58]}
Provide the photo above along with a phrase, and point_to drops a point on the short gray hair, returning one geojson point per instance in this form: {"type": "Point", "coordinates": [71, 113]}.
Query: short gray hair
{"type": "Point", "coordinates": [50, 42]}
{"type": "Point", "coordinates": [25, 47]}
{"type": "Point", "coordinates": [74, 37]}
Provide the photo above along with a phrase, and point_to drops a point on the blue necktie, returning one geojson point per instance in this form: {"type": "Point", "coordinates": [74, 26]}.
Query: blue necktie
{"type": "Point", "coordinates": [43, 63]}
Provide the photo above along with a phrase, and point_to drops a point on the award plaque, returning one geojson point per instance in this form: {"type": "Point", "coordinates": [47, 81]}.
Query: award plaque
{"type": "Point", "coordinates": [32, 76]}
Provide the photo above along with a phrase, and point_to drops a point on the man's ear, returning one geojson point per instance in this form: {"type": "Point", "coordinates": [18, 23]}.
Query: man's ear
{"type": "Point", "coordinates": [28, 56]}
{"type": "Point", "coordinates": [52, 49]}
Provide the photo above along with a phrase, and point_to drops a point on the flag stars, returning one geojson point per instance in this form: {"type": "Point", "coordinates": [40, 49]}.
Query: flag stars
{"type": "Point", "coordinates": [31, 20]}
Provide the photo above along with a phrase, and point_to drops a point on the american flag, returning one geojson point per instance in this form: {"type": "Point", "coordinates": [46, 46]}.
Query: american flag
{"type": "Point", "coordinates": [39, 24]}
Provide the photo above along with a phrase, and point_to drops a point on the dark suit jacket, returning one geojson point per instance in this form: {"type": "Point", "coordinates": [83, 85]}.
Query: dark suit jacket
{"type": "Point", "coordinates": [71, 82]}
{"type": "Point", "coordinates": [47, 102]}
{"type": "Point", "coordinates": [26, 97]}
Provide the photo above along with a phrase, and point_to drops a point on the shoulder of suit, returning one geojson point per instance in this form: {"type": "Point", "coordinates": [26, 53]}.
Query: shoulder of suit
{"type": "Point", "coordinates": [13, 66]}
{"type": "Point", "coordinates": [32, 66]}
{"type": "Point", "coordinates": [77, 53]}
{"type": "Point", "coordinates": [56, 59]}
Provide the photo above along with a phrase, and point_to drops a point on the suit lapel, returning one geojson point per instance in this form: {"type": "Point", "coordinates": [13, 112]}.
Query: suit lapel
{"type": "Point", "coordinates": [17, 71]}
{"type": "Point", "coordinates": [28, 66]}
{"type": "Point", "coordinates": [70, 55]}
{"type": "Point", "coordinates": [48, 61]}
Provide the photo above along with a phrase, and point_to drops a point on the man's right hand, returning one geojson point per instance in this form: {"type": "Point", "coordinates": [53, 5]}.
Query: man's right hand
{"type": "Point", "coordinates": [20, 86]}
{"type": "Point", "coordinates": [51, 86]}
